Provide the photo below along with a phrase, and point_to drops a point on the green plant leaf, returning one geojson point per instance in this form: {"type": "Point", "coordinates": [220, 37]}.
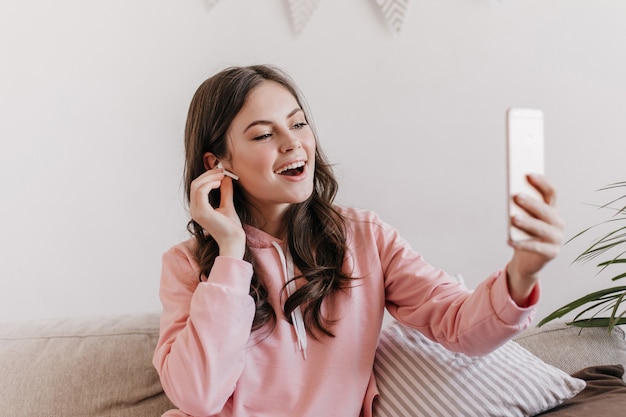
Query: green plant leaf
{"type": "Point", "coordinates": [596, 307]}
{"type": "Point", "coordinates": [605, 294]}
{"type": "Point", "coordinates": [596, 322]}
{"type": "Point", "coordinates": [608, 242]}
{"type": "Point", "coordinates": [609, 301]}
{"type": "Point", "coordinates": [613, 261]}
{"type": "Point", "coordinates": [614, 185]}
{"type": "Point", "coordinates": [620, 276]}
{"type": "Point", "coordinates": [614, 316]}
{"type": "Point", "coordinates": [616, 260]}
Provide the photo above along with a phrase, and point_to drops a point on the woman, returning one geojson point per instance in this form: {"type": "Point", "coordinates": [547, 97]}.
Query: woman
{"type": "Point", "coordinates": [274, 306]}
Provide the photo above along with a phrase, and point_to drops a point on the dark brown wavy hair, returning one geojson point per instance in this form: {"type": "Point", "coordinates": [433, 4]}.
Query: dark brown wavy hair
{"type": "Point", "coordinates": [315, 231]}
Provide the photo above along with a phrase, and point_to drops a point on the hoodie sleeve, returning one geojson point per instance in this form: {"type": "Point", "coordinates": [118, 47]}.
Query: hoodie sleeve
{"type": "Point", "coordinates": [205, 327]}
{"type": "Point", "coordinates": [421, 296]}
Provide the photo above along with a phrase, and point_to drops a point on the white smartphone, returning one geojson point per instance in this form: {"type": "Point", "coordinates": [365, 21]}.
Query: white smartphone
{"type": "Point", "coordinates": [525, 155]}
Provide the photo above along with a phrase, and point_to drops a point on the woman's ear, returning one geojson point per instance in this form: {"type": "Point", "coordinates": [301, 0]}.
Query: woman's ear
{"type": "Point", "coordinates": [210, 160]}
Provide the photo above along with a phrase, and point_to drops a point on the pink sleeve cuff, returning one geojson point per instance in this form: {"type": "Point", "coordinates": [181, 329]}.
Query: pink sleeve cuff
{"type": "Point", "coordinates": [504, 306]}
{"type": "Point", "coordinates": [230, 272]}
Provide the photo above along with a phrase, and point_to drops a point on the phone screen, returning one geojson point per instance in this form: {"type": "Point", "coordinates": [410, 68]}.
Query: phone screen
{"type": "Point", "coordinates": [525, 149]}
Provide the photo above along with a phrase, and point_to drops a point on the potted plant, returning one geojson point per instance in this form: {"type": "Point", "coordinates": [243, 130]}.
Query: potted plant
{"type": "Point", "coordinates": [606, 307]}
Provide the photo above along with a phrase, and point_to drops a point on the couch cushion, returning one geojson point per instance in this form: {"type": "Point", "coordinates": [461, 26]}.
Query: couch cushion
{"type": "Point", "coordinates": [572, 348]}
{"type": "Point", "coordinates": [95, 367]}
{"type": "Point", "coordinates": [416, 376]}
{"type": "Point", "coordinates": [605, 394]}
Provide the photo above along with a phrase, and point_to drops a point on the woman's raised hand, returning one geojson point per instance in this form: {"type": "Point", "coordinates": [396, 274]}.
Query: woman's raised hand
{"type": "Point", "coordinates": [545, 227]}
{"type": "Point", "coordinates": [222, 222]}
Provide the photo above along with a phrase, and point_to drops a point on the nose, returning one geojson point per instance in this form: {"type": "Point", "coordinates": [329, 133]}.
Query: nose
{"type": "Point", "coordinates": [290, 143]}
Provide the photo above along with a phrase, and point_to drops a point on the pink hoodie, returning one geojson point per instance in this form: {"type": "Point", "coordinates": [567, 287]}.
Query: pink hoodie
{"type": "Point", "coordinates": [211, 365]}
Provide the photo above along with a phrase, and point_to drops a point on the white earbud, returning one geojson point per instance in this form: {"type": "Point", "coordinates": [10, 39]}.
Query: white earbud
{"type": "Point", "coordinates": [227, 172]}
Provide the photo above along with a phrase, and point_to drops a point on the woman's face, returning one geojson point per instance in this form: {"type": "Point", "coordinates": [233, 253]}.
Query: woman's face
{"type": "Point", "coordinates": [272, 150]}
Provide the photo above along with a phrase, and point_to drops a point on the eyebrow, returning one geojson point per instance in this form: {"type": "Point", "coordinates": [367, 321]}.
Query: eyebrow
{"type": "Point", "coordinates": [267, 122]}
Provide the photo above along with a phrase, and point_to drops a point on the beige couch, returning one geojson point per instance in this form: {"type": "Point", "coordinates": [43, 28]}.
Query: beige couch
{"type": "Point", "coordinates": [96, 367]}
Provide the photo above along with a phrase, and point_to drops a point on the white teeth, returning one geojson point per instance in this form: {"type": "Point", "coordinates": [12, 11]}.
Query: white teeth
{"type": "Point", "coordinates": [290, 166]}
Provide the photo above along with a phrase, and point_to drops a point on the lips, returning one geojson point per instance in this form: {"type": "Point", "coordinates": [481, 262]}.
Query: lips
{"type": "Point", "coordinates": [291, 169]}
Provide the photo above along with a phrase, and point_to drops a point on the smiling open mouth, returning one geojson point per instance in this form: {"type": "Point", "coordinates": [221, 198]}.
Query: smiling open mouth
{"type": "Point", "coordinates": [292, 170]}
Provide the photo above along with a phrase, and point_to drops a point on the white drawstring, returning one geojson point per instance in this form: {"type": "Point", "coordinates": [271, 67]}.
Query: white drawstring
{"type": "Point", "coordinates": [296, 314]}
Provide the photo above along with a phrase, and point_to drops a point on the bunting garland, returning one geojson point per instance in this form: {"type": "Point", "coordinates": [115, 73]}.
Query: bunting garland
{"type": "Point", "coordinates": [301, 11]}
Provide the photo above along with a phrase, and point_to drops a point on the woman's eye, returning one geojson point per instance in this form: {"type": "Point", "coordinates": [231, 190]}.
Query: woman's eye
{"type": "Point", "coordinates": [299, 125]}
{"type": "Point", "coordinates": [263, 136]}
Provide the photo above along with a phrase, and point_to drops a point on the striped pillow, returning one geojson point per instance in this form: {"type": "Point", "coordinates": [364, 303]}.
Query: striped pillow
{"type": "Point", "coordinates": [418, 377]}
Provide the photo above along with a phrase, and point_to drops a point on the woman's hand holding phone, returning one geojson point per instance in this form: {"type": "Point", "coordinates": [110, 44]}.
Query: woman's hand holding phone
{"type": "Point", "coordinates": [535, 228]}
{"type": "Point", "coordinates": [541, 221]}
{"type": "Point", "coordinates": [222, 222]}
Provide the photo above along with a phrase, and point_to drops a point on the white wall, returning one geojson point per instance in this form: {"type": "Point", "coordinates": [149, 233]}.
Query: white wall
{"type": "Point", "coordinates": [93, 98]}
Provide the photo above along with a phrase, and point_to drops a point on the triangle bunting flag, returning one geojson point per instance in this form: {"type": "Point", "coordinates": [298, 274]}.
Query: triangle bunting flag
{"type": "Point", "coordinates": [301, 12]}
{"type": "Point", "coordinates": [394, 12]}
{"type": "Point", "coordinates": [210, 3]}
